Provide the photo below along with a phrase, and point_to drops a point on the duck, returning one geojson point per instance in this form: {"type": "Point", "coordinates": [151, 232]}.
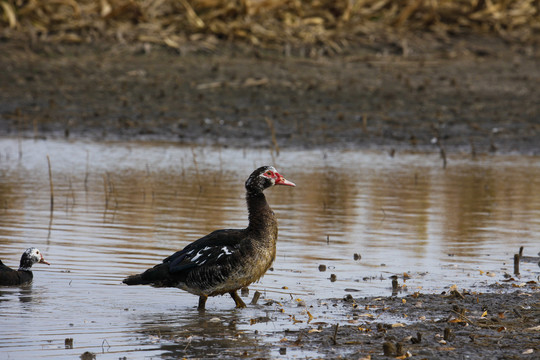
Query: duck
{"type": "Point", "coordinates": [225, 260]}
{"type": "Point", "coordinates": [10, 277]}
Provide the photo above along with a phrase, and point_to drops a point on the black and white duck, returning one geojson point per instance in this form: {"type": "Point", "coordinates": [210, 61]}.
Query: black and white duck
{"type": "Point", "coordinates": [224, 260]}
{"type": "Point", "coordinates": [10, 277]}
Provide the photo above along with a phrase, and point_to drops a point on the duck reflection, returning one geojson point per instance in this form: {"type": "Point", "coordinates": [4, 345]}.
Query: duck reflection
{"type": "Point", "coordinates": [22, 292]}
{"type": "Point", "coordinates": [201, 335]}
{"type": "Point", "coordinates": [328, 202]}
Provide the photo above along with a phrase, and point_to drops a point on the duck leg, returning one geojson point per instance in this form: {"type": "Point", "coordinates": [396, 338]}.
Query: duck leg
{"type": "Point", "coordinates": [202, 302]}
{"type": "Point", "coordinates": [239, 303]}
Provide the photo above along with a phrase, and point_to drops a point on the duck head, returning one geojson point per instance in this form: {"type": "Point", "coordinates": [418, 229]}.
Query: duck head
{"type": "Point", "coordinates": [265, 177]}
{"type": "Point", "coordinates": [30, 257]}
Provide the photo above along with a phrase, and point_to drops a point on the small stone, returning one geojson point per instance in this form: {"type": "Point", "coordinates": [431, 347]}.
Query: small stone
{"type": "Point", "coordinates": [389, 349]}
{"type": "Point", "coordinates": [399, 349]}
{"type": "Point", "coordinates": [87, 355]}
{"type": "Point", "coordinates": [448, 334]}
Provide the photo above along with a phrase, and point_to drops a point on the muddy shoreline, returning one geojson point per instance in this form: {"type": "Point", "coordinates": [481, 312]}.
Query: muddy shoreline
{"type": "Point", "coordinates": [472, 94]}
{"type": "Point", "coordinates": [455, 324]}
{"type": "Point", "coordinates": [452, 325]}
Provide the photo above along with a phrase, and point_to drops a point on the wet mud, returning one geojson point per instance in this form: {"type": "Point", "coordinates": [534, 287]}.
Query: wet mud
{"type": "Point", "coordinates": [453, 325]}
{"type": "Point", "coordinates": [472, 94]}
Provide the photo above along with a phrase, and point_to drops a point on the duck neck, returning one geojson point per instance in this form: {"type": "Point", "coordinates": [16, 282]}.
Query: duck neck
{"type": "Point", "coordinates": [261, 217]}
{"type": "Point", "coordinates": [25, 264]}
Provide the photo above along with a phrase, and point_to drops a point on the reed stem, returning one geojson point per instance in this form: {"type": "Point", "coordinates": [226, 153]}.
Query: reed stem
{"type": "Point", "coordinates": [51, 182]}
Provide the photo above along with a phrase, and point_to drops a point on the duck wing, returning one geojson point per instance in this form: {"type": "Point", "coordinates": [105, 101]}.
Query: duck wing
{"type": "Point", "coordinates": [211, 249]}
{"type": "Point", "coordinates": [4, 267]}
{"type": "Point", "coordinates": [209, 252]}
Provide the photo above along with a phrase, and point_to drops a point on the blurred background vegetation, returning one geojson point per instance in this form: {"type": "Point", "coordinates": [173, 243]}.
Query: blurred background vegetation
{"type": "Point", "coordinates": [333, 24]}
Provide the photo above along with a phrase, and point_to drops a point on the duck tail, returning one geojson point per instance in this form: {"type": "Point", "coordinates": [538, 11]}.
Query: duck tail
{"type": "Point", "coordinates": [134, 280]}
{"type": "Point", "coordinates": [155, 276]}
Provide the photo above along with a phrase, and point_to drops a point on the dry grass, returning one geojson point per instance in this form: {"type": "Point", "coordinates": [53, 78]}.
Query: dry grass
{"type": "Point", "coordinates": [266, 23]}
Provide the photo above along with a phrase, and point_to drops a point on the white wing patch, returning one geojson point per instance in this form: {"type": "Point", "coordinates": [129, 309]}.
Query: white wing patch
{"type": "Point", "coordinates": [202, 256]}
{"type": "Point", "coordinates": [226, 250]}
{"type": "Point", "coordinates": [199, 254]}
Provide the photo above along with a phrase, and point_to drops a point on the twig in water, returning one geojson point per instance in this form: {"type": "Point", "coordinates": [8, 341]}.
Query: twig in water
{"type": "Point", "coordinates": [442, 151]}
{"type": "Point", "coordinates": [457, 294]}
{"type": "Point", "coordinates": [196, 168]}
{"type": "Point", "coordinates": [86, 172]}
{"type": "Point", "coordinates": [115, 193]}
{"type": "Point", "coordinates": [50, 225]}
{"type": "Point", "coordinates": [72, 194]}
{"type": "Point", "coordinates": [51, 183]}
{"type": "Point", "coordinates": [20, 148]}
{"type": "Point", "coordinates": [492, 147]}
{"type": "Point", "coordinates": [437, 141]}
{"type": "Point", "coordinates": [473, 149]}
{"type": "Point", "coordinates": [384, 216]}
{"type": "Point", "coordinates": [106, 191]}
{"type": "Point", "coordinates": [334, 338]}
{"type": "Point", "coordinates": [463, 317]}
{"type": "Point", "coordinates": [103, 347]}
{"type": "Point", "coordinates": [220, 160]}
{"type": "Point", "coordinates": [256, 297]}
{"type": "Point", "coordinates": [364, 123]}
{"type": "Point", "coordinates": [273, 134]}
{"type": "Point", "coordinates": [188, 342]}
{"type": "Point", "coordinates": [395, 285]}
{"type": "Point", "coordinates": [443, 155]}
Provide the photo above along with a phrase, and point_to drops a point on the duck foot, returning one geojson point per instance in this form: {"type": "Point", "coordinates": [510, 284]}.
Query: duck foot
{"type": "Point", "coordinates": [202, 302]}
{"type": "Point", "coordinates": [239, 303]}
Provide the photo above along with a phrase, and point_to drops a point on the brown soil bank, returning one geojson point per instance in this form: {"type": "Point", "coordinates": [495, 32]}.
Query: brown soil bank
{"type": "Point", "coordinates": [475, 95]}
{"type": "Point", "coordinates": [457, 75]}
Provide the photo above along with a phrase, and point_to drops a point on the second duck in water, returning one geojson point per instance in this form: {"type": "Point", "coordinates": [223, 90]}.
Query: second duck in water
{"type": "Point", "coordinates": [11, 277]}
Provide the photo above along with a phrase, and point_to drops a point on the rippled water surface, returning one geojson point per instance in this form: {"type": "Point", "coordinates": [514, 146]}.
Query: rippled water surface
{"type": "Point", "coordinates": [120, 208]}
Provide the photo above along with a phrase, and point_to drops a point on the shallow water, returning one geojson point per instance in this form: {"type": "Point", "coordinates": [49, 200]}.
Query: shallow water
{"type": "Point", "coordinates": [120, 208]}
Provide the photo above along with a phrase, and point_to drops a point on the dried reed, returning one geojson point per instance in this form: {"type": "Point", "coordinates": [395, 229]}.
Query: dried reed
{"type": "Point", "coordinates": [275, 145]}
{"type": "Point", "coordinates": [51, 183]}
{"type": "Point", "coordinates": [268, 23]}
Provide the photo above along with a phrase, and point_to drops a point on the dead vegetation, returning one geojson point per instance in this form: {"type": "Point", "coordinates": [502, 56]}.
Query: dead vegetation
{"type": "Point", "coordinates": [329, 24]}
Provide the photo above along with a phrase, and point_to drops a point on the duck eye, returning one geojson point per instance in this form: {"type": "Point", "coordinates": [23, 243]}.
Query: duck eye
{"type": "Point", "coordinates": [269, 173]}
